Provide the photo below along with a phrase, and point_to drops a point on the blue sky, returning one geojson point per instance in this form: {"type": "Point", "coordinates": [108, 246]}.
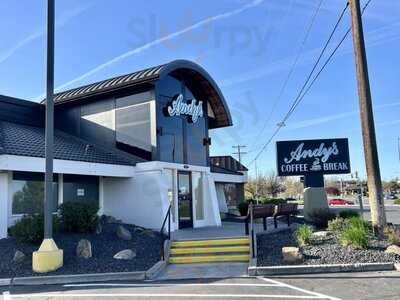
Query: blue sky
{"type": "Point", "coordinates": [247, 46]}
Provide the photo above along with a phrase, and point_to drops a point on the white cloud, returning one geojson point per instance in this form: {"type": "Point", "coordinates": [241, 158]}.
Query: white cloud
{"type": "Point", "coordinates": [158, 41]}
{"type": "Point", "coordinates": [334, 117]}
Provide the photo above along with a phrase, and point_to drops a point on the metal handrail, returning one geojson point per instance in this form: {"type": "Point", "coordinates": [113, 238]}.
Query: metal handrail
{"type": "Point", "coordinates": [253, 237]}
{"type": "Point", "coordinates": [167, 216]}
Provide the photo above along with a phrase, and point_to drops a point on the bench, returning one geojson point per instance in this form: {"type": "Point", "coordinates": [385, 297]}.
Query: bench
{"type": "Point", "coordinates": [285, 209]}
{"type": "Point", "coordinates": [260, 211]}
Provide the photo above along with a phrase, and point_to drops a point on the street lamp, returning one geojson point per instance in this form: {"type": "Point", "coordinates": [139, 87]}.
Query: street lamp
{"type": "Point", "coordinates": [48, 258]}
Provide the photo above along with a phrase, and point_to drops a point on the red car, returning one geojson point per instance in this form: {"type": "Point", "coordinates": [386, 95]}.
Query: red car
{"type": "Point", "coordinates": [339, 202]}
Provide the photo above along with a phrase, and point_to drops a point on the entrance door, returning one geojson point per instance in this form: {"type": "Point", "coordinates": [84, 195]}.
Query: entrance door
{"type": "Point", "coordinates": [185, 200]}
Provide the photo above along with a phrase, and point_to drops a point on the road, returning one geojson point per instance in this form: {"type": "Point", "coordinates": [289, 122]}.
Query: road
{"type": "Point", "coordinates": [345, 286]}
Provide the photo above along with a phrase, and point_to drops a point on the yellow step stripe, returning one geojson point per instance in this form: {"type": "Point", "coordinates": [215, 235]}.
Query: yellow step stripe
{"type": "Point", "coordinates": [208, 259]}
{"type": "Point", "coordinates": [210, 250]}
{"type": "Point", "coordinates": [210, 242]}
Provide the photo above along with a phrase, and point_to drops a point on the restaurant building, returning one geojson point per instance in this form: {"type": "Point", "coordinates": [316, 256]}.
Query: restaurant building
{"type": "Point", "coordinates": [135, 144]}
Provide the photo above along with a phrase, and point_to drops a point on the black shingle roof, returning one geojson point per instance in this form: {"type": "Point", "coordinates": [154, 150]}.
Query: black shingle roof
{"type": "Point", "coordinates": [149, 74]}
{"type": "Point", "coordinates": [218, 169]}
{"type": "Point", "coordinates": [24, 140]}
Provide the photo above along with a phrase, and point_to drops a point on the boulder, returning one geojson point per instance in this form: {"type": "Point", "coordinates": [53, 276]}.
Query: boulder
{"type": "Point", "coordinates": [139, 229]}
{"type": "Point", "coordinates": [123, 233]}
{"type": "Point", "coordinates": [292, 255]}
{"type": "Point", "coordinates": [19, 257]}
{"type": "Point", "coordinates": [84, 249]}
{"type": "Point", "coordinates": [321, 235]}
{"type": "Point", "coordinates": [104, 219]}
{"type": "Point", "coordinates": [126, 254]}
{"type": "Point", "coordinates": [99, 228]}
{"type": "Point", "coordinates": [149, 233]}
{"type": "Point", "coordinates": [393, 249]}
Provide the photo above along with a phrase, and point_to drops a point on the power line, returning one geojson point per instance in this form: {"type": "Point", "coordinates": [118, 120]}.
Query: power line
{"type": "Point", "coordinates": [290, 73]}
{"type": "Point", "coordinates": [301, 95]}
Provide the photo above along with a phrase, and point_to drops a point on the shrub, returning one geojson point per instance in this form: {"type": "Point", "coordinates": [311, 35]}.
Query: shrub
{"type": "Point", "coordinates": [393, 235]}
{"type": "Point", "coordinates": [30, 228]}
{"type": "Point", "coordinates": [303, 235]}
{"type": "Point", "coordinates": [321, 217]}
{"type": "Point", "coordinates": [79, 217]}
{"type": "Point", "coordinates": [348, 213]}
{"type": "Point", "coordinates": [274, 201]}
{"type": "Point", "coordinates": [243, 207]}
{"type": "Point", "coordinates": [356, 234]}
{"type": "Point", "coordinates": [337, 225]}
{"type": "Point", "coordinates": [397, 201]}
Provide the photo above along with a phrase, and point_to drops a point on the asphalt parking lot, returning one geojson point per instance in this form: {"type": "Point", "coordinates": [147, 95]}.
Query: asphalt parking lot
{"type": "Point", "coordinates": [232, 288]}
{"type": "Point", "coordinates": [354, 286]}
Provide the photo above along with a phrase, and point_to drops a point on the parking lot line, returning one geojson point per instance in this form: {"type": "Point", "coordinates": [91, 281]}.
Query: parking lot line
{"type": "Point", "coordinates": [319, 295]}
{"type": "Point", "coordinates": [171, 284]}
{"type": "Point", "coordinates": [56, 295]}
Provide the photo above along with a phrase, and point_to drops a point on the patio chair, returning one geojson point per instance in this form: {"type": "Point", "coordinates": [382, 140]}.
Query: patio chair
{"type": "Point", "coordinates": [285, 209]}
{"type": "Point", "coordinates": [260, 211]}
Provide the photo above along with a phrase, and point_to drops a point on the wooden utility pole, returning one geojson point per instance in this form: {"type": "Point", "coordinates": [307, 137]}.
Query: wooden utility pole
{"type": "Point", "coordinates": [367, 121]}
{"type": "Point", "coordinates": [239, 151]}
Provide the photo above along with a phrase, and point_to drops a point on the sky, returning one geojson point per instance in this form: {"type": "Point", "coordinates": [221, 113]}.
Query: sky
{"type": "Point", "coordinates": [248, 46]}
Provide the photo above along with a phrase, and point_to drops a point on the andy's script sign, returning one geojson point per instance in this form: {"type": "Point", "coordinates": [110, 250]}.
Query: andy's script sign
{"type": "Point", "coordinates": [328, 156]}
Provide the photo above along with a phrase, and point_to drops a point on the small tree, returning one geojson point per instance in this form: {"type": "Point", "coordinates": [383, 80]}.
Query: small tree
{"type": "Point", "coordinates": [332, 190]}
{"type": "Point", "coordinates": [273, 184]}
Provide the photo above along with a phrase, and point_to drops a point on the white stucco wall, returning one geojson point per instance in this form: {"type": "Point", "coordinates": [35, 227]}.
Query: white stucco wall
{"type": "Point", "coordinates": [141, 200]}
{"type": "Point", "coordinates": [223, 207]}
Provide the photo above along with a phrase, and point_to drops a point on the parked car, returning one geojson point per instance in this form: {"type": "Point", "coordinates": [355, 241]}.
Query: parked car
{"type": "Point", "coordinates": [338, 201]}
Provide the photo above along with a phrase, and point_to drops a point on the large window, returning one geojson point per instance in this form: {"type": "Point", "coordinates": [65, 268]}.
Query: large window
{"type": "Point", "coordinates": [198, 195]}
{"type": "Point", "coordinates": [28, 193]}
{"type": "Point", "coordinates": [80, 188]}
{"type": "Point", "coordinates": [133, 125]}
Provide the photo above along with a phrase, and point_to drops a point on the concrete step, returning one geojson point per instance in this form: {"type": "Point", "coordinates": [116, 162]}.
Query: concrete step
{"type": "Point", "coordinates": [216, 242]}
{"type": "Point", "coordinates": [201, 250]}
{"type": "Point", "coordinates": [209, 259]}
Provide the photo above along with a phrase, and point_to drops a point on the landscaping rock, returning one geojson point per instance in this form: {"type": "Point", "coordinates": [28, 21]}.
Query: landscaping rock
{"type": "Point", "coordinates": [321, 235]}
{"type": "Point", "coordinates": [123, 233]}
{"type": "Point", "coordinates": [84, 249]}
{"type": "Point", "coordinates": [393, 249]}
{"type": "Point", "coordinates": [99, 228]}
{"type": "Point", "coordinates": [330, 251]}
{"type": "Point", "coordinates": [125, 254]}
{"type": "Point", "coordinates": [139, 229]}
{"type": "Point", "coordinates": [292, 255]}
{"type": "Point", "coordinates": [149, 233]}
{"type": "Point", "coordinates": [104, 219]}
{"type": "Point", "coordinates": [19, 257]}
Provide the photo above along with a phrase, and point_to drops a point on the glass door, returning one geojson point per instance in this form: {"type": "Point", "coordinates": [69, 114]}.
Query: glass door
{"type": "Point", "coordinates": [185, 203]}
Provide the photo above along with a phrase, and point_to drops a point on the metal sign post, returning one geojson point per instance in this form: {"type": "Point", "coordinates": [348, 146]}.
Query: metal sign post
{"type": "Point", "coordinates": [48, 258]}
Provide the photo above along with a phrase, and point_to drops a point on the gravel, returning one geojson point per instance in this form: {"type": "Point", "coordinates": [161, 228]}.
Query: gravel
{"type": "Point", "coordinates": [104, 246]}
{"type": "Point", "coordinates": [328, 251]}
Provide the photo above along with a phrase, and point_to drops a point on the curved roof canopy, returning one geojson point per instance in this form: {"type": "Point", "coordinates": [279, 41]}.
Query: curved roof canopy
{"type": "Point", "coordinates": [192, 72]}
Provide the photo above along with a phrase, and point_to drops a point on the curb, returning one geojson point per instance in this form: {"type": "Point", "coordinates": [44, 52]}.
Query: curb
{"type": "Point", "coordinates": [86, 278]}
{"type": "Point", "coordinates": [312, 269]}
{"type": "Point", "coordinates": [79, 278]}
{"type": "Point", "coordinates": [155, 270]}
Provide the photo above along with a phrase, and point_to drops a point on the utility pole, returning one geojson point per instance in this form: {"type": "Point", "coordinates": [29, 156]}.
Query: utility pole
{"type": "Point", "coordinates": [239, 151]}
{"type": "Point", "coordinates": [367, 121]}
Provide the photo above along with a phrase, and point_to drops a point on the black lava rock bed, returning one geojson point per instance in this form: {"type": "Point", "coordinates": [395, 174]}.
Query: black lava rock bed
{"type": "Point", "coordinates": [269, 251]}
{"type": "Point", "coordinates": [105, 245]}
